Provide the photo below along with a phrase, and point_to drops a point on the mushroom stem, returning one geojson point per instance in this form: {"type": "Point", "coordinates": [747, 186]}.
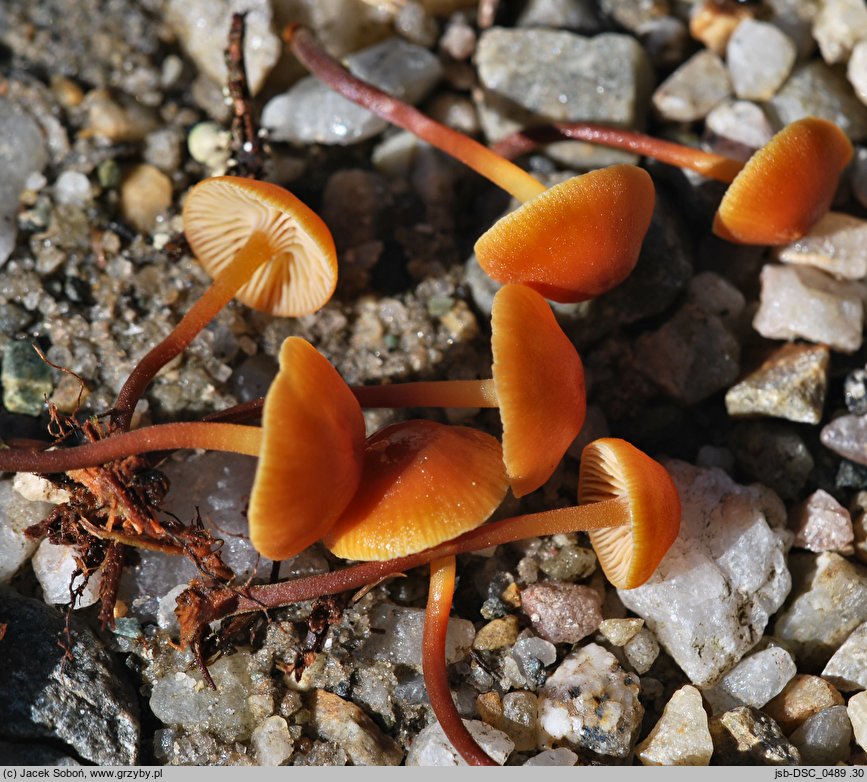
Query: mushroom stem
{"type": "Point", "coordinates": [435, 393]}
{"type": "Point", "coordinates": [718, 167]}
{"type": "Point", "coordinates": [595, 515]}
{"type": "Point", "coordinates": [252, 255]}
{"type": "Point", "coordinates": [232, 438]}
{"type": "Point", "coordinates": [511, 178]}
{"type": "Point", "coordinates": [436, 681]}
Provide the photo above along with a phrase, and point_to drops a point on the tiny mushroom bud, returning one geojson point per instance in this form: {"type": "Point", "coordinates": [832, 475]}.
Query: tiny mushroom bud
{"type": "Point", "coordinates": [263, 246]}
{"type": "Point", "coordinates": [538, 385]}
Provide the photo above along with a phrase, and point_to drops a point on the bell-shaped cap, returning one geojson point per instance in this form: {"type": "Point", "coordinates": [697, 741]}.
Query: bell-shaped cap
{"type": "Point", "coordinates": [539, 381]}
{"type": "Point", "coordinates": [786, 186]}
{"type": "Point", "coordinates": [612, 469]}
{"type": "Point", "coordinates": [221, 213]}
{"type": "Point", "coordinates": [424, 483]}
{"type": "Point", "coordinates": [576, 240]}
{"type": "Point", "coordinates": [311, 455]}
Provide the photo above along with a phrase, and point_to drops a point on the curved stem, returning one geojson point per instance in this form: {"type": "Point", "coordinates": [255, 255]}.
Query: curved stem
{"type": "Point", "coordinates": [507, 175]}
{"type": "Point", "coordinates": [436, 679]}
{"type": "Point", "coordinates": [609, 513]}
{"type": "Point", "coordinates": [713, 166]}
{"type": "Point", "coordinates": [225, 285]}
{"type": "Point", "coordinates": [233, 438]}
{"type": "Point", "coordinates": [433, 393]}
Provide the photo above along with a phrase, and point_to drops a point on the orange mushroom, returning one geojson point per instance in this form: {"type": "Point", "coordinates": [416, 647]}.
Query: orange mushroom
{"type": "Point", "coordinates": [775, 198]}
{"type": "Point", "coordinates": [261, 245]}
{"type": "Point", "coordinates": [570, 243]}
{"type": "Point", "coordinates": [310, 448]}
{"type": "Point", "coordinates": [310, 462]}
{"type": "Point", "coordinates": [538, 385]}
{"type": "Point", "coordinates": [423, 483]}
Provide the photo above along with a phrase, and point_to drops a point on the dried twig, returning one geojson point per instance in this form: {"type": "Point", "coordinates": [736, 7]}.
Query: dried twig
{"type": "Point", "coordinates": [247, 148]}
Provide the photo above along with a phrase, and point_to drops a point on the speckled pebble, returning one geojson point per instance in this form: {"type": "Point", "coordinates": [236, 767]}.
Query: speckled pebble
{"type": "Point", "coordinates": [820, 523]}
{"type": "Point", "coordinates": [823, 738]}
{"type": "Point", "coordinates": [753, 681]}
{"type": "Point", "coordinates": [745, 736]}
{"type": "Point", "coordinates": [693, 89]}
{"type": "Point", "coordinates": [562, 613]}
{"type": "Point", "coordinates": [847, 668]}
{"type": "Point", "coordinates": [804, 695]}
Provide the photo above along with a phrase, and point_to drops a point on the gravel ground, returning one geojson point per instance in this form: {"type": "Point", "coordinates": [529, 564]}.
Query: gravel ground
{"type": "Point", "coordinates": [741, 368]}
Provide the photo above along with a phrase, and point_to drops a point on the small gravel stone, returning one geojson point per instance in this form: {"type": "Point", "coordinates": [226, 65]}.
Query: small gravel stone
{"type": "Point", "coordinates": [753, 681]}
{"type": "Point", "coordinates": [26, 379]}
{"type": "Point", "coordinates": [681, 737]}
{"type": "Point", "coordinates": [693, 89]}
{"type": "Point", "coordinates": [344, 724]}
{"type": "Point", "coordinates": [310, 112]}
{"type": "Point", "coordinates": [823, 739]}
{"type": "Point", "coordinates": [814, 89]}
{"type": "Point", "coordinates": [459, 38]}
{"type": "Point", "coordinates": [828, 601]}
{"type": "Point", "coordinates": [117, 117]}
{"type": "Point", "coordinates": [641, 651]}
{"type": "Point", "coordinates": [202, 27]}
{"type": "Point", "coordinates": [145, 193]}
{"type": "Point", "coordinates": [738, 128]}
{"type": "Point", "coordinates": [16, 514]}
{"type": "Point", "coordinates": [835, 245]}
{"type": "Point", "coordinates": [800, 301]}
{"type": "Point", "coordinates": [791, 384]}
{"type": "Point", "coordinates": [802, 696]}
{"type": "Point", "coordinates": [431, 747]}
{"type": "Point", "coordinates": [692, 356]}
{"type": "Point", "coordinates": [564, 77]}
{"type": "Point", "coordinates": [856, 70]}
{"type": "Point", "coordinates": [579, 15]}
{"type": "Point", "coordinates": [713, 24]}
{"type": "Point", "coordinates": [847, 668]}
{"type": "Point", "coordinates": [515, 714]}
{"type": "Point", "coordinates": [562, 613]}
{"type": "Point", "coordinates": [857, 709]}
{"type": "Point", "coordinates": [533, 655]}
{"type": "Point", "coordinates": [760, 57]}
{"type": "Point", "coordinates": [86, 703]}
{"type": "Point", "coordinates": [73, 189]}
{"type": "Point", "coordinates": [554, 757]}
{"type": "Point", "coordinates": [820, 523]}
{"type": "Point", "coordinates": [590, 703]}
{"type": "Point", "coordinates": [271, 741]}
{"type": "Point", "coordinates": [399, 636]}
{"type": "Point", "coordinates": [619, 631]}
{"type": "Point", "coordinates": [838, 26]}
{"type": "Point", "coordinates": [745, 736]}
{"type": "Point", "coordinates": [54, 567]}
{"type": "Point", "coordinates": [846, 436]}
{"type": "Point", "coordinates": [497, 634]}
{"type": "Point", "coordinates": [774, 454]}
{"type": "Point", "coordinates": [710, 599]}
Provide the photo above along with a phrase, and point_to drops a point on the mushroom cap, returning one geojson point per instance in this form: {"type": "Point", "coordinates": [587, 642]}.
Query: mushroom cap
{"type": "Point", "coordinates": [221, 213]}
{"type": "Point", "coordinates": [311, 456]}
{"type": "Point", "coordinates": [540, 386]}
{"type": "Point", "coordinates": [424, 483]}
{"type": "Point", "coordinates": [613, 469]}
{"type": "Point", "coordinates": [786, 186]}
{"type": "Point", "coordinates": [576, 240]}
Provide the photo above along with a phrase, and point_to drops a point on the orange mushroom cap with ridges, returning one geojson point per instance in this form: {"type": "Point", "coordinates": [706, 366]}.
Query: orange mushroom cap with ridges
{"type": "Point", "coordinates": [613, 469]}
{"type": "Point", "coordinates": [576, 240]}
{"type": "Point", "coordinates": [221, 213]}
{"type": "Point", "coordinates": [424, 483]}
{"type": "Point", "coordinates": [786, 186]}
{"type": "Point", "coordinates": [312, 453]}
{"type": "Point", "coordinates": [539, 381]}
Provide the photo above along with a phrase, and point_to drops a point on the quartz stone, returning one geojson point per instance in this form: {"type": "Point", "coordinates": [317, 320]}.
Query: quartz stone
{"type": "Point", "coordinates": [681, 737]}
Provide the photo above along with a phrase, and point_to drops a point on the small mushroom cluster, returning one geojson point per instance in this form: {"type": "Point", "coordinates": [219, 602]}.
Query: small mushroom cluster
{"type": "Point", "coordinates": [421, 492]}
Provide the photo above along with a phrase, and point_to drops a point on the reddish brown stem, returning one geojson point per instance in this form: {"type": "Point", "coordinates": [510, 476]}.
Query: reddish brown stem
{"type": "Point", "coordinates": [223, 603]}
{"type": "Point", "coordinates": [436, 679]}
{"type": "Point", "coordinates": [718, 167]}
{"type": "Point", "coordinates": [507, 175]}
{"type": "Point", "coordinates": [164, 437]}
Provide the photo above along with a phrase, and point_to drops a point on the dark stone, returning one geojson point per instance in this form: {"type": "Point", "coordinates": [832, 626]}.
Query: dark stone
{"type": "Point", "coordinates": [775, 455]}
{"type": "Point", "coordinates": [855, 390]}
{"type": "Point", "coordinates": [33, 755]}
{"type": "Point", "coordinates": [747, 737]}
{"type": "Point", "coordinates": [85, 702]}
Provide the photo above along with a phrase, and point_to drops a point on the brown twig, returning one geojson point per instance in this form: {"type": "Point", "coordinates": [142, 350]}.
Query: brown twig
{"type": "Point", "coordinates": [246, 146]}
